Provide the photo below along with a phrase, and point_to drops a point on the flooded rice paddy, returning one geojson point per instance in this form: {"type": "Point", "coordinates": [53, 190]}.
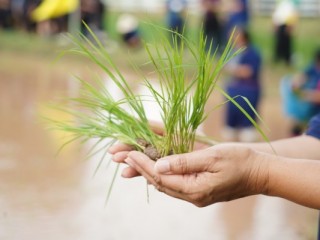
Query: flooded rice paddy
{"type": "Point", "coordinates": [48, 196]}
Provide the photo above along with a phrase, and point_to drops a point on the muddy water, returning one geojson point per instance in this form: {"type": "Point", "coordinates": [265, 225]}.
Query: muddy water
{"type": "Point", "coordinates": [49, 196]}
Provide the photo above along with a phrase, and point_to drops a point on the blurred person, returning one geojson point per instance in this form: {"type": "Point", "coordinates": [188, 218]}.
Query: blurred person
{"type": "Point", "coordinates": [301, 95]}
{"type": "Point", "coordinates": [176, 16]}
{"type": "Point", "coordinates": [22, 11]}
{"type": "Point", "coordinates": [52, 16]}
{"type": "Point", "coordinates": [18, 12]}
{"type": "Point", "coordinates": [244, 71]}
{"type": "Point", "coordinates": [284, 19]}
{"type": "Point", "coordinates": [128, 28]}
{"type": "Point", "coordinates": [238, 16]}
{"type": "Point", "coordinates": [6, 21]}
{"type": "Point", "coordinates": [53, 26]}
{"type": "Point", "coordinates": [230, 171]}
{"type": "Point", "coordinates": [93, 14]}
{"type": "Point", "coordinates": [212, 26]}
{"type": "Point", "coordinates": [29, 6]}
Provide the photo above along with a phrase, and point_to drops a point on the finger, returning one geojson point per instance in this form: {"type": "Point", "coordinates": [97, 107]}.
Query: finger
{"type": "Point", "coordinates": [119, 157]}
{"type": "Point", "coordinates": [145, 166]}
{"type": "Point", "coordinates": [193, 162]}
{"type": "Point", "coordinates": [172, 193]}
{"type": "Point", "coordinates": [142, 164]}
{"type": "Point", "coordinates": [185, 185]}
{"type": "Point", "coordinates": [119, 147]}
{"type": "Point", "coordinates": [157, 127]}
{"type": "Point", "coordinates": [172, 185]}
{"type": "Point", "coordinates": [129, 172]}
{"type": "Point", "coordinates": [200, 145]}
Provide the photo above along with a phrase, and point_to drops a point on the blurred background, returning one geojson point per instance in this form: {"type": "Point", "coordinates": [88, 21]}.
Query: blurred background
{"type": "Point", "coordinates": [49, 195]}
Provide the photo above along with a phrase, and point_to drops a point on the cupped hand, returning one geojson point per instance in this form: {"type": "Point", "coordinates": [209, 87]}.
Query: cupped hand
{"type": "Point", "coordinates": [220, 173]}
{"type": "Point", "coordinates": [120, 151]}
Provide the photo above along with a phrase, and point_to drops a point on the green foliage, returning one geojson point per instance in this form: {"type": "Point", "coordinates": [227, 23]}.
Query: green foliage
{"type": "Point", "coordinates": [182, 102]}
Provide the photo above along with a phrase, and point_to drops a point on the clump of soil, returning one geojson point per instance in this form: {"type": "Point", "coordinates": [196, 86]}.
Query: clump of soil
{"type": "Point", "coordinates": [149, 149]}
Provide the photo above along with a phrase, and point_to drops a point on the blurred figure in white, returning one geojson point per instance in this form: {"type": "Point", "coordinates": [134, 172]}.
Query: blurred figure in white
{"type": "Point", "coordinates": [127, 27]}
{"type": "Point", "coordinates": [284, 19]}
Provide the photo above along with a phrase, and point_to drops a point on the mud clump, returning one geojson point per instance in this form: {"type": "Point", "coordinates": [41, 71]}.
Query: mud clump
{"type": "Point", "coordinates": [149, 149]}
{"type": "Point", "coordinates": [152, 152]}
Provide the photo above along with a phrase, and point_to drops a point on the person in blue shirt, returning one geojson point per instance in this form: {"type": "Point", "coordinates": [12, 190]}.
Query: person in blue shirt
{"type": "Point", "coordinates": [176, 15]}
{"type": "Point", "coordinates": [244, 74]}
{"type": "Point", "coordinates": [309, 83]}
{"type": "Point", "coordinates": [230, 171]}
{"type": "Point", "coordinates": [238, 16]}
{"type": "Point", "coordinates": [301, 95]}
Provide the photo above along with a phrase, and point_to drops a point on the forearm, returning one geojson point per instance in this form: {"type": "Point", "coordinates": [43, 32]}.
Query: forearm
{"type": "Point", "coordinates": [312, 96]}
{"type": "Point", "coordinates": [304, 146]}
{"type": "Point", "coordinates": [295, 180]}
{"type": "Point", "coordinates": [242, 71]}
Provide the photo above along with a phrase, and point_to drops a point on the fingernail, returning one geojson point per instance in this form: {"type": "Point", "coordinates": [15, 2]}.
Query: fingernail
{"type": "Point", "coordinates": [162, 166]}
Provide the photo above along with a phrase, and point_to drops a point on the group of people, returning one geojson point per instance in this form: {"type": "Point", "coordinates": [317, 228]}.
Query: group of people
{"type": "Point", "coordinates": [47, 17]}
{"type": "Point", "coordinates": [16, 14]}
{"type": "Point", "coordinates": [216, 26]}
{"type": "Point", "coordinates": [300, 92]}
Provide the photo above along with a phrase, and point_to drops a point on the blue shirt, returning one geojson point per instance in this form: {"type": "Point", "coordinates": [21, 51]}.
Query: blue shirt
{"type": "Point", "coordinates": [312, 74]}
{"type": "Point", "coordinates": [314, 127]}
{"type": "Point", "coordinates": [174, 14]}
{"type": "Point", "coordinates": [239, 18]}
{"type": "Point", "coordinates": [251, 57]}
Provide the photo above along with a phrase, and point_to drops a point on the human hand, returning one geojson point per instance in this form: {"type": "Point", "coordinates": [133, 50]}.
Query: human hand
{"type": "Point", "coordinates": [220, 173]}
{"type": "Point", "coordinates": [120, 151]}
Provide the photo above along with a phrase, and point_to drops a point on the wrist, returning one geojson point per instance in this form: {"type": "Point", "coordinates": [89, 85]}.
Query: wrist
{"type": "Point", "coordinates": [259, 173]}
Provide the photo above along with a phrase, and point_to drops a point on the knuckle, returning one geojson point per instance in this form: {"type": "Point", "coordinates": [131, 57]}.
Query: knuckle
{"type": "Point", "coordinates": [156, 178]}
{"type": "Point", "coordinates": [158, 183]}
{"type": "Point", "coordinates": [159, 188]}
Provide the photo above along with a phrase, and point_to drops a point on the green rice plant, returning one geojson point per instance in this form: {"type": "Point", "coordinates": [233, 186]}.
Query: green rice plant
{"type": "Point", "coordinates": [181, 99]}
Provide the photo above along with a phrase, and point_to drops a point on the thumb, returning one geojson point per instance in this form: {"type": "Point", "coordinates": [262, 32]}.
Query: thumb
{"type": "Point", "coordinates": [182, 163]}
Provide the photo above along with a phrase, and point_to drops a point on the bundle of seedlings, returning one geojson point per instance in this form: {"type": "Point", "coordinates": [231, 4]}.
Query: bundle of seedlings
{"type": "Point", "coordinates": [181, 99]}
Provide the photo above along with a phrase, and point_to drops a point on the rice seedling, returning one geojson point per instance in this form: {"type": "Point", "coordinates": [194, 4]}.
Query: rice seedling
{"type": "Point", "coordinates": [181, 101]}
